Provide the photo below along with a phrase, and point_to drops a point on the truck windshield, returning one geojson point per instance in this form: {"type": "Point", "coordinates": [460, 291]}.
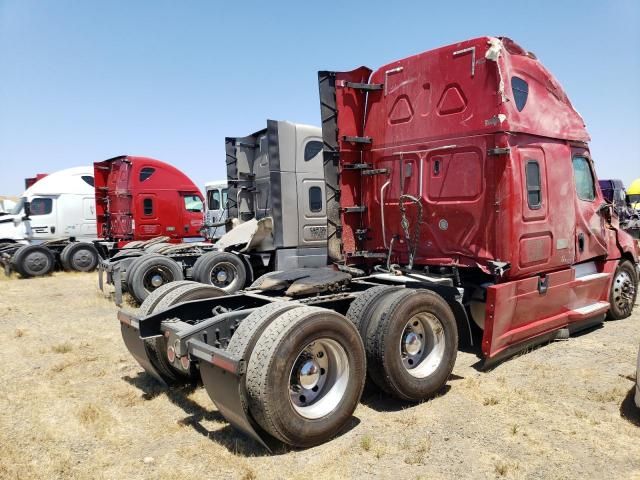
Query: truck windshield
{"type": "Point", "coordinates": [18, 207]}
{"type": "Point", "coordinates": [192, 203]}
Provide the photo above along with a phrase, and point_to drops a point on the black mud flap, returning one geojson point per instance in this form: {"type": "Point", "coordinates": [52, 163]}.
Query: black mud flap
{"type": "Point", "coordinates": [136, 347]}
{"type": "Point", "coordinates": [100, 276]}
{"type": "Point", "coordinates": [222, 379]}
{"type": "Point", "coordinates": [6, 265]}
{"type": "Point", "coordinates": [110, 273]}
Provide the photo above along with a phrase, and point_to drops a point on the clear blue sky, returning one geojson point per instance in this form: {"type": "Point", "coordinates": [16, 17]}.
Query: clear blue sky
{"type": "Point", "coordinates": [87, 80]}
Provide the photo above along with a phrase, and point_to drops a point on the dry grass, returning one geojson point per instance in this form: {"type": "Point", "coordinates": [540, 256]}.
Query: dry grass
{"type": "Point", "coordinates": [489, 401]}
{"type": "Point", "coordinates": [65, 347]}
{"type": "Point", "coordinates": [615, 394]}
{"type": "Point", "coordinates": [77, 406]}
{"type": "Point", "coordinates": [366, 442]}
{"type": "Point", "coordinates": [502, 468]}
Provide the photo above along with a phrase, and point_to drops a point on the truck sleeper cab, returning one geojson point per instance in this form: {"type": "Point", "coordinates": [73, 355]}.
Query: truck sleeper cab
{"type": "Point", "coordinates": [52, 225]}
{"type": "Point", "coordinates": [145, 206]}
{"type": "Point", "coordinates": [461, 204]}
{"type": "Point", "coordinates": [272, 174]}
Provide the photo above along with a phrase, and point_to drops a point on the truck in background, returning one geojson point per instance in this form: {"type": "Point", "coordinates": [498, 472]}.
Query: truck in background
{"type": "Point", "coordinates": [7, 204]}
{"type": "Point", "coordinates": [462, 206]}
{"type": "Point", "coordinates": [613, 191]}
{"type": "Point", "coordinates": [73, 217]}
{"type": "Point", "coordinates": [633, 193]}
{"type": "Point", "coordinates": [272, 174]}
{"type": "Point", "coordinates": [216, 194]}
{"type": "Point", "coordinates": [140, 198]}
{"type": "Point", "coordinates": [29, 181]}
{"type": "Point", "coordinates": [52, 225]}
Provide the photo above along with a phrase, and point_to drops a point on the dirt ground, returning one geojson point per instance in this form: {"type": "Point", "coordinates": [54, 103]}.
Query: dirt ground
{"type": "Point", "coordinates": [76, 405]}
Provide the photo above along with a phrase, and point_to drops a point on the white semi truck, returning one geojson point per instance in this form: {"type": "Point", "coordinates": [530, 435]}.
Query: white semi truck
{"type": "Point", "coordinates": [52, 225]}
{"type": "Point", "coordinates": [216, 208]}
{"type": "Point", "coordinates": [6, 205]}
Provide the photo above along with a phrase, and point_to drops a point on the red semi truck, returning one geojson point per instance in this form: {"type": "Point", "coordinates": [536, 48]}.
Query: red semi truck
{"type": "Point", "coordinates": [145, 207]}
{"type": "Point", "coordinates": [462, 206]}
{"type": "Point", "coordinates": [139, 198]}
{"type": "Point", "coordinates": [29, 181]}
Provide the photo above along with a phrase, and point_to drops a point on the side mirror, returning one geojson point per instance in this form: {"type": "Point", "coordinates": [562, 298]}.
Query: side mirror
{"type": "Point", "coordinates": [27, 209]}
{"type": "Point", "coordinates": [606, 210]}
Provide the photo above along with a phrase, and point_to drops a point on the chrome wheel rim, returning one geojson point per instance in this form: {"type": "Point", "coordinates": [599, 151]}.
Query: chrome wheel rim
{"type": "Point", "coordinates": [422, 345]}
{"type": "Point", "coordinates": [223, 274]}
{"type": "Point", "coordinates": [318, 379]}
{"type": "Point", "coordinates": [623, 291]}
{"type": "Point", "coordinates": [156, 277]}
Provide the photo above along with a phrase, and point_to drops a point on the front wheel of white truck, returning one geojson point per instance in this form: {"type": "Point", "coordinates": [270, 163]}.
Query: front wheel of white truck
{"type": "Point", "coordinates": [305, 376]}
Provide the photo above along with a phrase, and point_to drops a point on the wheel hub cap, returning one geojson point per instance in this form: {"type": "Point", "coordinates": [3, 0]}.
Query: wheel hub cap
{"type": "Point", "coordinates": [221, 276]}
{"type": "Point", "coordinates": [412, 343]}
{"type": "Point", "coordinates": [82, 258]}
{"type": "Point", "coordinates": [318, 379]}
{"type": "Point", "coordinates": [309, 374]}
{"type": "Point", "coordinates": [422, 345]}
{"type": "Point", "coordinates": [36, 261]}
{"type": "Point", "coordinates": [156, 280]}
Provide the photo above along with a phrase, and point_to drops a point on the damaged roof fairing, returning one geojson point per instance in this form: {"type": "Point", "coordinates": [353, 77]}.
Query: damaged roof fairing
{"type": "Point", "coordinates": [463, 89]}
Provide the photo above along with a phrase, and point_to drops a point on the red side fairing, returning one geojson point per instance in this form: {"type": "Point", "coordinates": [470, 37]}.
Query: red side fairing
{"type": "Point", "coordinates": [521, 310]}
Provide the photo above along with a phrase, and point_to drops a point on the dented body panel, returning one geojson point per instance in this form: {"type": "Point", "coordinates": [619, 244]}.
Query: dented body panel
{"type": "Point", "coordinates": [471, 157]}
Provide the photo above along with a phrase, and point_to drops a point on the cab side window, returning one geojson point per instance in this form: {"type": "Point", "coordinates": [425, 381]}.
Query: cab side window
{"type": "Point", "coordinates": [583, 178]}
{"type": "Point", "coordinates": [41, 206]}
{"type": "Point", "coordinates": [312, 149]}
{"type": "Point", "coordinates": [192, 203]}
{"type": "Point", "coordinates": [315, 199]}
{"type": "Point", "coordinates": [225, 198]}
{"type": "Point", "coordinates": [534, 190]}
{"type": "Point", "coordinates": [147, 206]}
{"type": "Point", "coordinates": [145, 173]}
{"type": "Point", "coordinates": [213, 199]}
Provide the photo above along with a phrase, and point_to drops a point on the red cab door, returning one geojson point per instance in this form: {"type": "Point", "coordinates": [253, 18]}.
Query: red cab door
{"type": "Point", "coordinates": [192, 213]}
{"type": "Point", "coordinates": [590, 236]}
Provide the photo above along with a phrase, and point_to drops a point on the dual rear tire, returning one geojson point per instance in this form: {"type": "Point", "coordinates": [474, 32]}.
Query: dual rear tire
{"type": "Point", "coordinates": [160, 299]}
{"type": "Point", "coordinates": [410, 338]}
{"type": "Point", "coordinates": [307, 366]}
{"type": "Point", "coordinates": [305, 373]}
{"type": "Point", "coordinates": [149, 272]}
{"type": "Point", "coordinates": [33, 261]}
{"type": "Point", "coordinates": [79, 257]}
{"type": "Point", "coordinates": [221, 269]}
